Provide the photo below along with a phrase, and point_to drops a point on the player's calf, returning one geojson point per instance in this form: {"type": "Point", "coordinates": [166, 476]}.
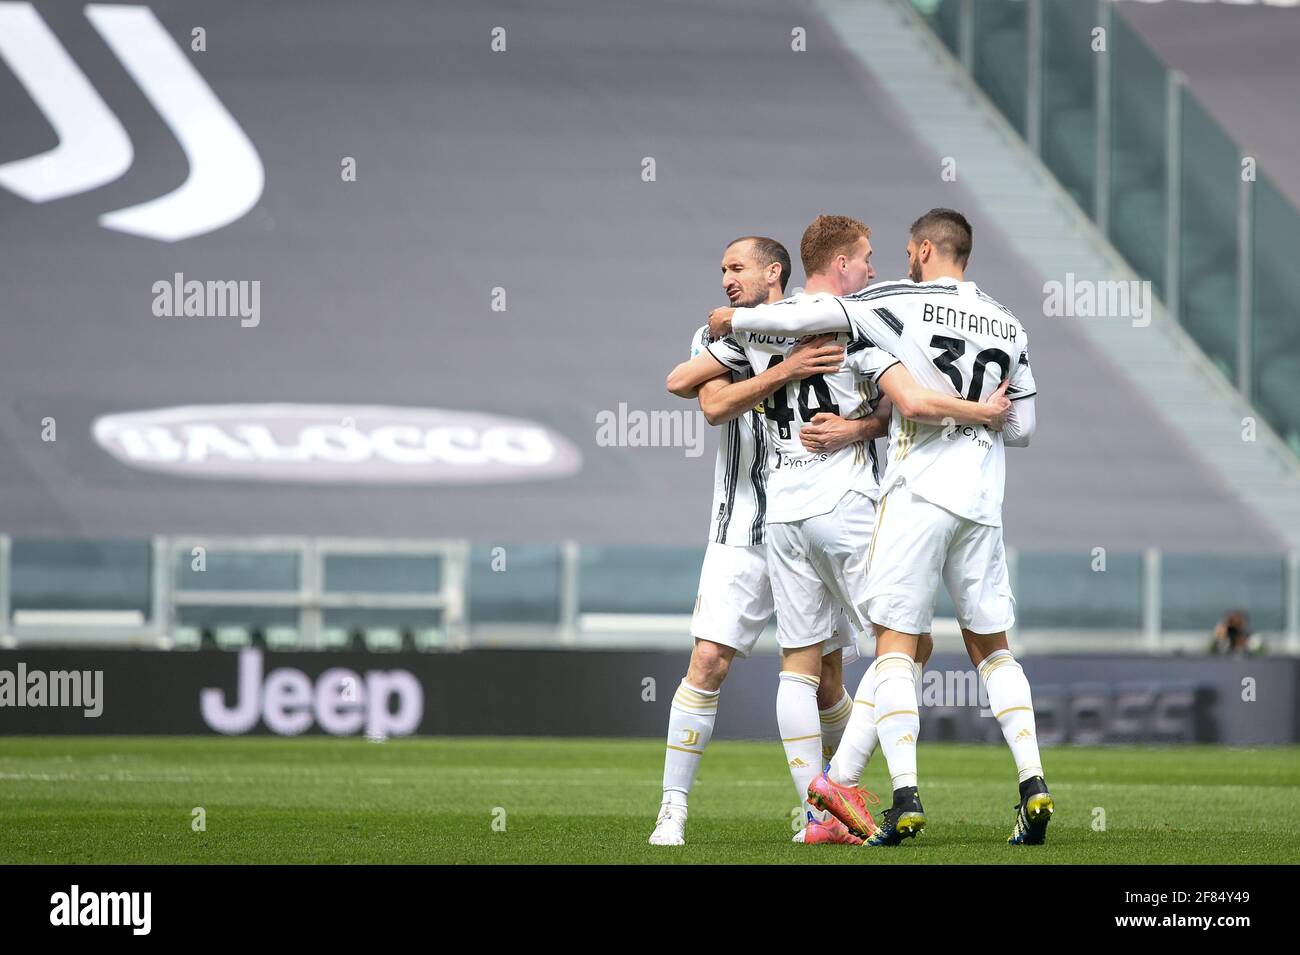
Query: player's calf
{"type": "Point", "coordinates": [798, 720]}
{"type": "Point", "coordinates": [690, 726]}
{"type": "Point", "coordinates": [1013, 707]}
{"type": "Point", "coordinates": [898, 722]}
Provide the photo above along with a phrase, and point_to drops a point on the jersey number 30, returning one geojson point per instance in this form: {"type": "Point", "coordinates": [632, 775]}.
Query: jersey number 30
{"type": "Point", "coordinates": [954, 348]}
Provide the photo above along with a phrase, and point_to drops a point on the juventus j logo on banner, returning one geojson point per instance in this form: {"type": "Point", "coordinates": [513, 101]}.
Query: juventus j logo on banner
{"type": "Point", "coordinates": [225, 173]}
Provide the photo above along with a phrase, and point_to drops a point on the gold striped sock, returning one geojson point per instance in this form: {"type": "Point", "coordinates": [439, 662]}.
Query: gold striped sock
{"type": "Point", "coordinates": [837, 714]}
{"type": "Point", "coordinates": [695, 701]}
{"type": "Point", "coordinates": [813, 681]}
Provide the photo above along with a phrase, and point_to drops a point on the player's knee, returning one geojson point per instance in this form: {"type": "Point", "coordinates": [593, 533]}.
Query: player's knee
{"type": "Point", "coordinates": [979, 646]}
{"type": "Point", "coordinates": [710, 663]}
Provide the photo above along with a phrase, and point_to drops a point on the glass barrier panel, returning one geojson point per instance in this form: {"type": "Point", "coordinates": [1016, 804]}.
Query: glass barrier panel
{"type": "Point", "coordinates": [382, 573]}
{"type": "Point", "coordinates": [1072, 591]}
{"type": "Point", "coordinates": [237, 570]}
{"type": "Point", "coordinates": [944, 17]}
{"type": "Point", "coordinates": [1139, 130]}
{"type": "Point", "coordinates": [1198, 589]}
{"type": "Point", "coordinates": [1069, 96]}
{"type": "Point", "coordinates": [514, 583]}
{"type": "Point", "coordinates": [1275, 358]}
{"type": "Point", "coordinates": [1001, 59]}
{"type": "Point", "coordinates": [646, 580]}
{"type": "Point", "coordinates": [80, 575]}
{"type": "Point", "coordinates": [1211, 180]}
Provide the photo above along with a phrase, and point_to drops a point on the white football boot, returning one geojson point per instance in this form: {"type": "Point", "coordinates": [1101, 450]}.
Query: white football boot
{"type": "Point", "coordinates": [670, 827]}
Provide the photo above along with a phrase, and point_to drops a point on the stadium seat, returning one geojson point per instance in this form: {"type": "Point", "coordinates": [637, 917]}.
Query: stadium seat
{"type": "Point", "coordinates": [232, 637]}
{"type": "Point", "coordinates": [428, 639]}
{"type": "Point", "coordinates": [383, 639]}
{"type": "Point", "coordinates": [282, 638]}
{"type": "Point", "coordinates": [335, 638]}
{"type": "Point", "coordinates": [187, 637]}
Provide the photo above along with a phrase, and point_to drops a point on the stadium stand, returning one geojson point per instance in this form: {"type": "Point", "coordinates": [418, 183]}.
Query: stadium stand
{"type": "Point", "coordinates": [1176, 205]}
{"type": "Point", "coordinates": [526, 177]}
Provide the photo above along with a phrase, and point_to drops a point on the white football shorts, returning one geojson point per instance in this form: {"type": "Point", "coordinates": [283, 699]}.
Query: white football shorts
{"type": "Point", "coordinates": [818, 568]}
{"type": "Point", "coordinates": [734, 601]}
{"type": "Point", "coordinates": [919, 544]}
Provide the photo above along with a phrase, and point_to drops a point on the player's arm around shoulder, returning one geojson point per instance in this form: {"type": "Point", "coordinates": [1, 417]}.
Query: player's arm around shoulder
{"type": "Point", "coordinates": [805, 315]}
{"type": "Point", "coordinates": [722, 401]}
{"type": "Point", "coordinates": [919, 403]}
{"type": "Point", "coordinates": [685, 380]}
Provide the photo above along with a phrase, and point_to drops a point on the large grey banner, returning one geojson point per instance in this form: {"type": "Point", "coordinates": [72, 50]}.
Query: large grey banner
{"type": "Point", "coordinates": [248, 303]}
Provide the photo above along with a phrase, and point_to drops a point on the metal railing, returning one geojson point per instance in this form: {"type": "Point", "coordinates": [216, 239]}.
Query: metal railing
{"type": "Point", "coordinates": [310, 600]}
{"type": "Point", "coordinates": [1068, 602]}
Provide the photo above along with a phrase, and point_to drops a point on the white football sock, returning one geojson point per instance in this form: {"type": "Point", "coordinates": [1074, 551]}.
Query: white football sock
{"type": "Point", "coordinates": [1013, 708]}
{"type": "Point", "coordinates": [898, 721]}
{"type": "Point", "coordinates": [860, 737]}
{"type": "Point", "coordinates": [690, 725]}
{"type": "Point", "coordinates": [796, 717]}
{"type": "Point", "coordinates": [834, 719]}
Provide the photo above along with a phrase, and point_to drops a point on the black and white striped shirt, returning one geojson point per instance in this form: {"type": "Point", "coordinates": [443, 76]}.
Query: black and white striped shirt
{"type": "Point", "coordinates": [739, 475]}
{"type": "Point", "coordinates": [807, 483]}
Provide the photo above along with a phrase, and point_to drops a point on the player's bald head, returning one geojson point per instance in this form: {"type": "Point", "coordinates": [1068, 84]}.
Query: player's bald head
{"type": "Point", "coordinates": [948, 231]}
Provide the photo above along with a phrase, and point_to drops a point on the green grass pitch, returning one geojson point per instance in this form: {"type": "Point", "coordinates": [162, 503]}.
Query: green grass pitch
{"type": "Point", "coordinates": [130, 800]}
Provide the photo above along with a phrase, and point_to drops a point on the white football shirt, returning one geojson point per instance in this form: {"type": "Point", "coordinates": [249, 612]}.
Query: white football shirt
{"type": "Point", "coordinates": [803, 483]}
{"type": "Point", "coordinates": [953, 338]}
{"type": "Point", "coordinates": [739, 479]}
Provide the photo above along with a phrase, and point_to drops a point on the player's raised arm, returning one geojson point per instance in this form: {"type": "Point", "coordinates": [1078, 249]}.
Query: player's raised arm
{"type": "Point", "coordinates": [810, 315]}
{"type": "Point", "coordinates": [722, 401]}
{"type": "Point", "coordinates": [932, 407]}
{"type": "Point", "coordinates": [865, 315]}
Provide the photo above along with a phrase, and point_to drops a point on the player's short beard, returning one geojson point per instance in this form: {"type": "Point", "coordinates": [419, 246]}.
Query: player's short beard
{"type": "Point", "coordinates": [914, 270]}
{"type": "Point", "coordinates": [748, 298]}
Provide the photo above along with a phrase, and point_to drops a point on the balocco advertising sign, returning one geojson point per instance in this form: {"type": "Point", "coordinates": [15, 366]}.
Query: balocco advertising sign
{"type": "Point", "coordinates": [326, 444]}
